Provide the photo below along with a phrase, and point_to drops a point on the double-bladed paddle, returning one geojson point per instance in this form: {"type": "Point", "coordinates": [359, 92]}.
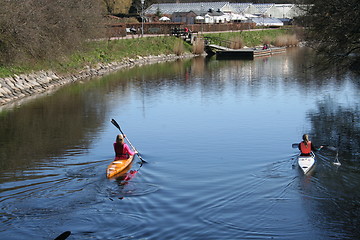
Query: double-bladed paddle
{"type": "Point", "coordinates": [296, 145]}
{"type": "Point", "coordinates": [337, 162]}
{"type": "Point", "coordinates": [118, 127]}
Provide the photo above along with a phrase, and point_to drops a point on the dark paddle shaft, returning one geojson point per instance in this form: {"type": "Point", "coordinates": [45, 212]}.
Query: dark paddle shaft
{"type": "Point", "coordinates": [118, 127]}
{"type": "Point", "coordinates": [295, 145]}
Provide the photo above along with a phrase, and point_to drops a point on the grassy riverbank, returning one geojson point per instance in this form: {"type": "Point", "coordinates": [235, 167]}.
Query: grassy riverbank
{"type": "Point", "coordinates": [118, 50]}
{"type": "Point", "coordinates": [101, 52]}
{"type": "Point", "coordinates": [253, 38]}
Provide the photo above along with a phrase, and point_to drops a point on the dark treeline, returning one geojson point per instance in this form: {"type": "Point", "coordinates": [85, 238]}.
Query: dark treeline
{"type": "Point", "coordinates": [32, 30]}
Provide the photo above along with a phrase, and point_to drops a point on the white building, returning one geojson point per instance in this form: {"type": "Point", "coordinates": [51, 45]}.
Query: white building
{"type": "Point", "coordinates": [224, 12]}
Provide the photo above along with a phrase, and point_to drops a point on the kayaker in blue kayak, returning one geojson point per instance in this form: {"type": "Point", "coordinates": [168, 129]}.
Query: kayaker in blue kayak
{"type": "Point", "coordinates": [306, 146]}
{"type": "Point", "coordinates": [122, 150]}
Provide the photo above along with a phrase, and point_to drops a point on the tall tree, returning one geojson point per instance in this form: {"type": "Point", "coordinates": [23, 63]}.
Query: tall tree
{"type": "Point", "coordinates": [135, 7]}
{"type": "Point", "coordinates": [334, 29]}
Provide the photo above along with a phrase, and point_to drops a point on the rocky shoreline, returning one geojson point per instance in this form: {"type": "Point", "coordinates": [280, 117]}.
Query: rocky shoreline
{"type": "Point", "coordinates": [20, 88]}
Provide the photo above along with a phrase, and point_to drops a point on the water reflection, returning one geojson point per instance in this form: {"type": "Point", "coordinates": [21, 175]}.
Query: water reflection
{"type": "Point", "coordinates": [48, 127]}
{"type": "Point", "coordinates": [217, 136]}
{"type": "Point", "coordinates": [337, 125]}
{"type": "Point", "coordinates": [334, 200]}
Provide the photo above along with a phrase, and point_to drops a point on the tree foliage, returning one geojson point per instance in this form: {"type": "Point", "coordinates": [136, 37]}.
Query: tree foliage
{"type": "Point", "coordinates": [333, 29]}
{"type": "Point", "coordinates": [118, 6]}
{"type": "Point", "coordinates": [45, 29]}
{"type": "Point", "coordinates": [110, 6]}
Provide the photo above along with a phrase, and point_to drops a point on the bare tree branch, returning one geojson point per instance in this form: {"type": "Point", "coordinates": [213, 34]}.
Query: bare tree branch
{"type": "Point", "coordinates": [46, 29]}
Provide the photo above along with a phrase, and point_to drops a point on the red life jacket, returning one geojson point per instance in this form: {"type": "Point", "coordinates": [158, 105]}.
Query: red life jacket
{"type": "Point", "coordinates": [119, 151]}
{"type": "Point", "coordinates": [305, 149]}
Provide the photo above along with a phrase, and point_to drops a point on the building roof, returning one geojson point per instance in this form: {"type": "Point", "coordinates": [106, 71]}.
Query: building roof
{"type": "Point", "coordinates": [267, 21]}
{"type": "Point", "coordinates": [169, 8]}
{"type": "Point", "coordinates": [263, 8]}
{"type": "Point", "coordinates": [240, 7]}
{"type": "Point", "coordinates": [201, 8]}
{"type": "Point", "coordinates": [184, 13]}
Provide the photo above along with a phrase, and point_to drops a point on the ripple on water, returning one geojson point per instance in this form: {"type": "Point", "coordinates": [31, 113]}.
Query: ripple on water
{"type": "Point", "coordinates": [256, 207]}
{"type": "Point", "coordinates": [108, 224]}
{"type": "Point", "coordinates": [249, 217]}
{"type": "Point", "coordinates": [130, 189]}
{"type": "Point", "coordinates": [86, 169]}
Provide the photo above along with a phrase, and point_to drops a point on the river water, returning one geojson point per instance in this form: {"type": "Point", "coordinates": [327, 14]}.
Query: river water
{"type": "Point", "coordinates": [217, 137]}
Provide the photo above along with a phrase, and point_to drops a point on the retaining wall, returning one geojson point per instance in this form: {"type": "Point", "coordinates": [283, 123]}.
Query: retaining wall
{"type": "Point", "coordinates": [25, 86]}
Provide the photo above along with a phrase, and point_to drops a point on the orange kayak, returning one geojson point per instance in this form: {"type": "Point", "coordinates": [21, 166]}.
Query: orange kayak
{"type": "Point", "coordinates": [118, 166]}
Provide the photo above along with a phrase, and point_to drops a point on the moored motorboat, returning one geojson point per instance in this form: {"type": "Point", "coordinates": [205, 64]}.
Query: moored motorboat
{"type": "Point", "coordinates": [117, 166]}
{"type": "Point", "coordinates": [306, 163]}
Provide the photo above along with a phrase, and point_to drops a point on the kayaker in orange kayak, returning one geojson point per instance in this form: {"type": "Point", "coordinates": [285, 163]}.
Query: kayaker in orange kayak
{"type": "Point", "coordinates": [122, 150]}
{"type": "Point", "coordinates": [306, 146]}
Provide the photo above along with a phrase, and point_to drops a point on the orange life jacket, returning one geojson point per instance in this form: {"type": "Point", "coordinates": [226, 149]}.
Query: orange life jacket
{"type": "Point", "coordinates": [305, 149]}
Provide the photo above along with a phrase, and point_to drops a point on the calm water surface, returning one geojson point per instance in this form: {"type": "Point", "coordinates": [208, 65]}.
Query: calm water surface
{"type": "Point", "coordinates": [217, 137]}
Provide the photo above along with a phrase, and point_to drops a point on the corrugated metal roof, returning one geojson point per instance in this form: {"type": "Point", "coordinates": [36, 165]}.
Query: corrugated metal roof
{"type": "Point", "coordinates": [263, 8]}
{"type": "Point", "coordinates": [267, 21]}
{"type": "Point", "coordinates": [169, 8]}
{"type": "Point", "coordinates": [240, 7]}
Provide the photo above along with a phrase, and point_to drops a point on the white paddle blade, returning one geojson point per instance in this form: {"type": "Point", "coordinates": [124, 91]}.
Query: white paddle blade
{"type": "Point", "coordinates": [331, 148]}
